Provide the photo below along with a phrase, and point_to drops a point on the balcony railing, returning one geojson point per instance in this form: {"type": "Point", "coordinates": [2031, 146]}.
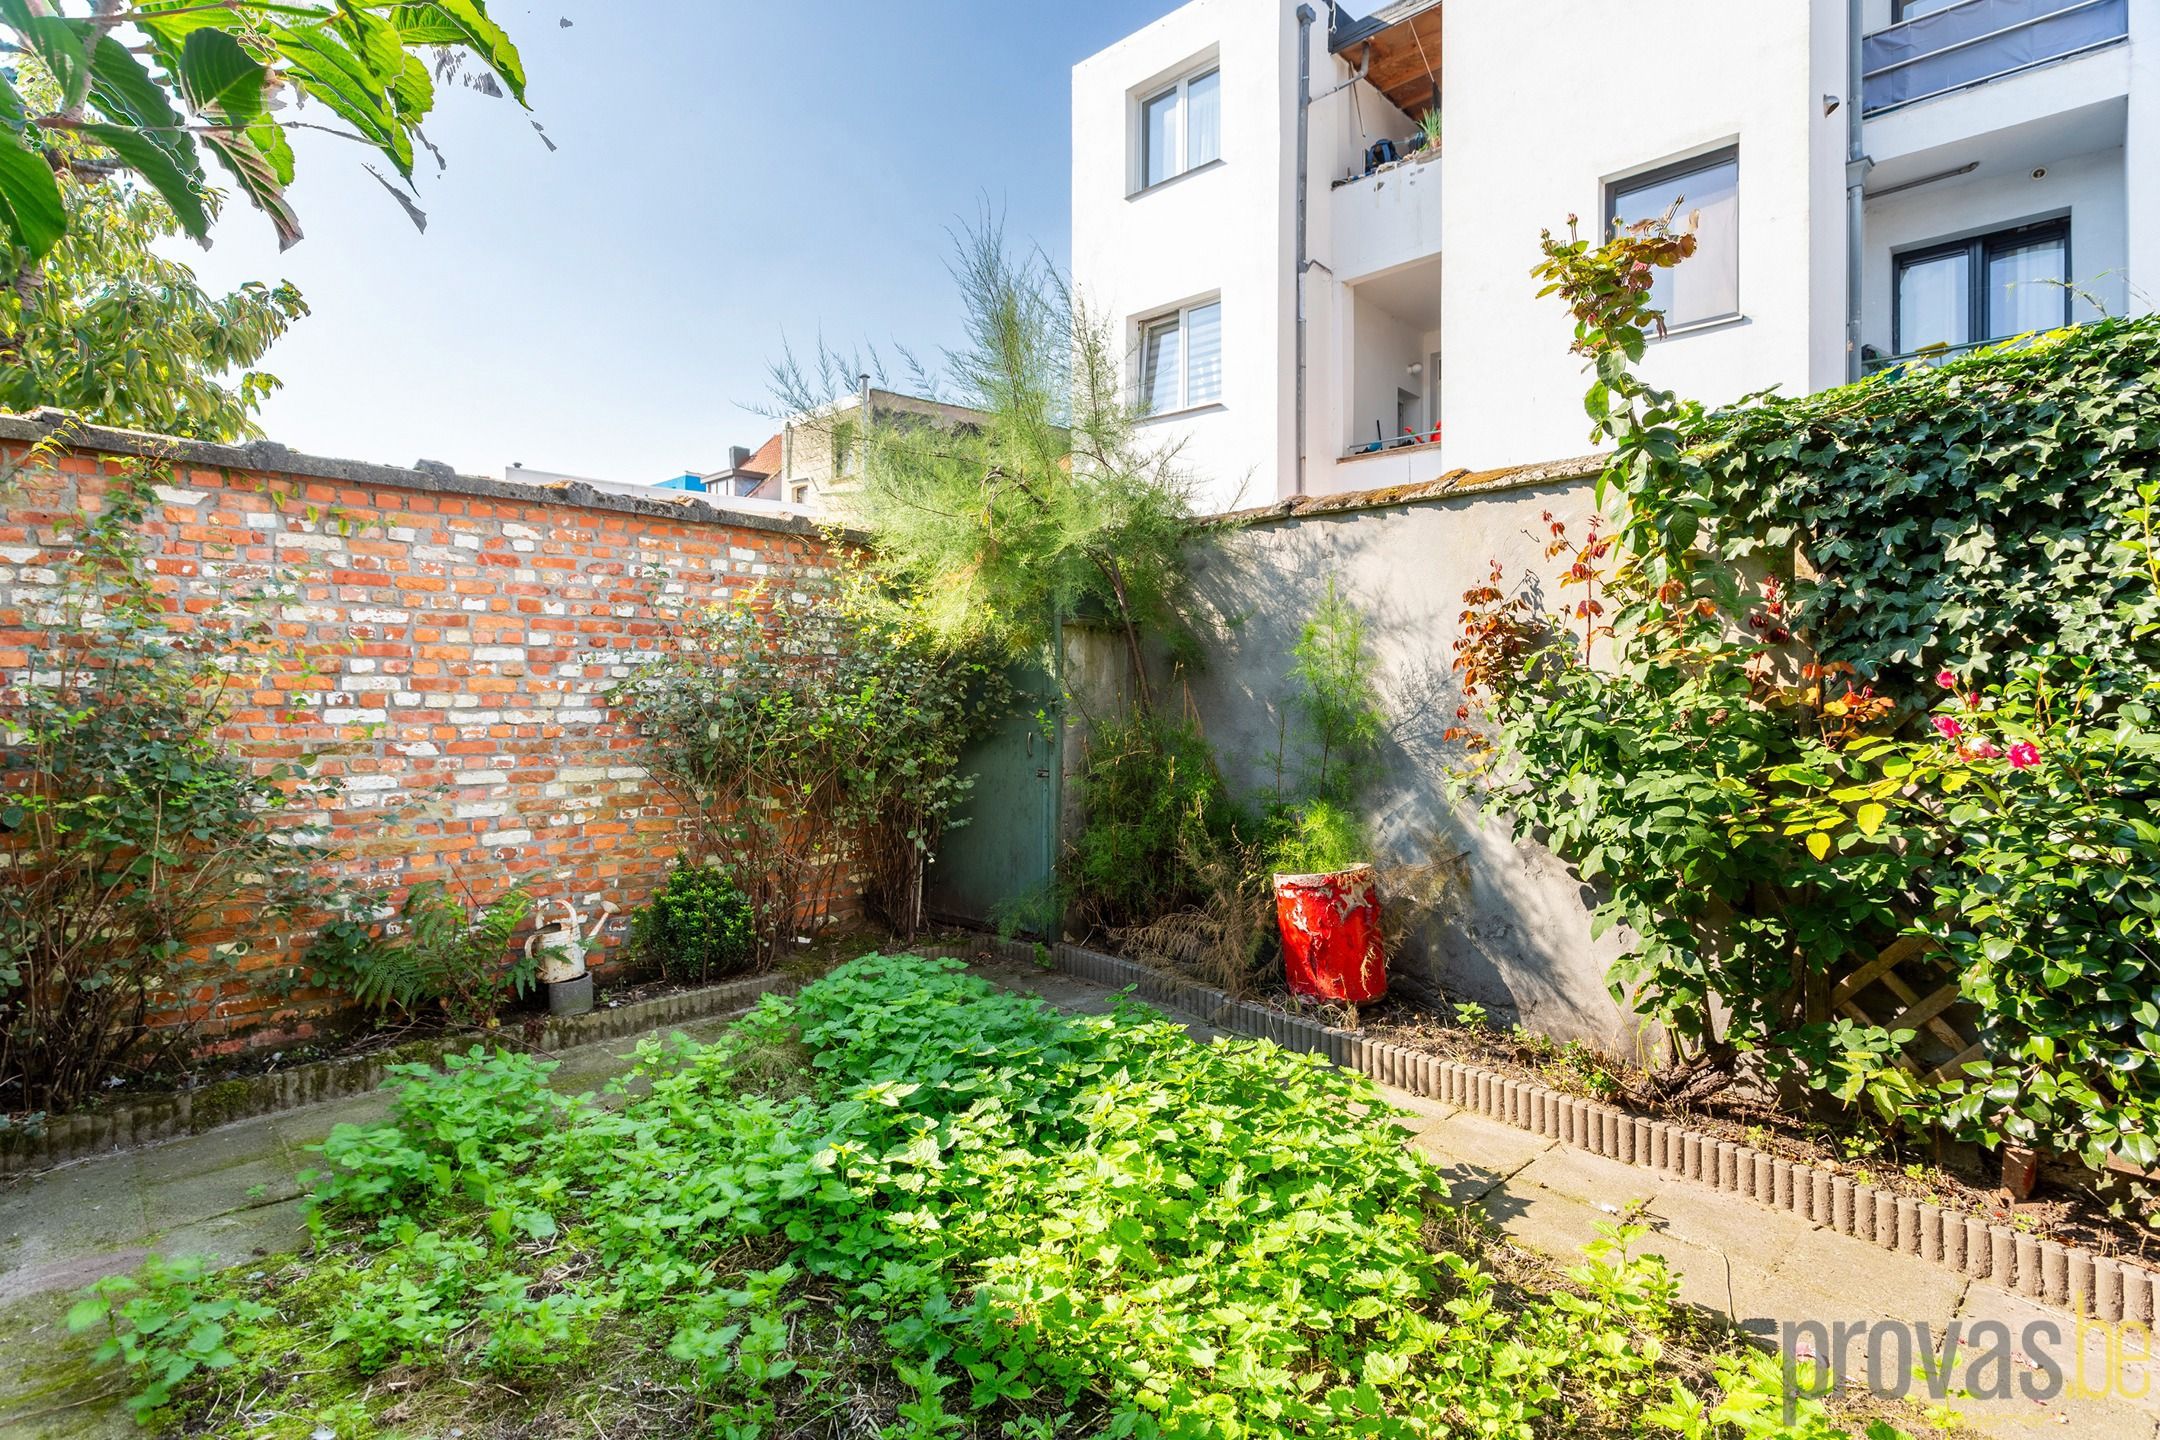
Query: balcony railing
{"type": "Point", "coordinates": [1874, 362]}
{"type": "Point", "coordinates": [1982, 40]}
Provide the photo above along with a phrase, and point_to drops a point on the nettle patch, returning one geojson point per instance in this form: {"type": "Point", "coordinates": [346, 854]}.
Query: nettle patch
{"type": "Point", "coordinates": [906, 1204]}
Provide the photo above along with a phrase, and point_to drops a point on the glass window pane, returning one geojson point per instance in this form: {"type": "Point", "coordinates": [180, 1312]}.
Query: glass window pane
{"type": "Point", "coordinates": [1934, 300]}
{"type": "Point", "coordinates": [1203, 119]}
{"type": "Point", "coordinates": [1203, 348]}
{"type": "Point", "coordinates": [1707, 285]}
{"type": "Point", "coordinates": [1159, 366]}
{"type": "Point", "coordinates": [1911, 9]}
{"type": "Point", "coordinates": [1158, 138]}
{"type": "Point", "coordinates": [2025, 287]}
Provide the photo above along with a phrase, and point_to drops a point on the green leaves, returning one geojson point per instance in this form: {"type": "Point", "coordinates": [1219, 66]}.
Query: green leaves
{"type": "Point", "coordinates": [166, 1324]}
{"type": "Point", "coordinates": [464, 22]}
{"type": "Point", "coordinates": [219, 65]}
{"type": "Point", "coordinates": [1992, 518]}
{"type": "Point", "coordinates": [904, 1199]}
{"type": "Point", "coordinates": [156, 163]}
{"type": "Point", "coordinates": [60, 45]}
{"type": "Point", "coordinates": [220, 79]}
{"type": "Point", "coordinates": [30, 204]}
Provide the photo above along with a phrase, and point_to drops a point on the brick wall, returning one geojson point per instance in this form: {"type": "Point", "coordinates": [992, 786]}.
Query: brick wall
{"type": "Point", "coordinates": [447, 655]}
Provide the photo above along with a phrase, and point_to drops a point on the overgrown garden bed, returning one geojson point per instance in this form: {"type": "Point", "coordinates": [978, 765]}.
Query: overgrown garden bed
{"type": "Point", "coordinates": [903, 1203]}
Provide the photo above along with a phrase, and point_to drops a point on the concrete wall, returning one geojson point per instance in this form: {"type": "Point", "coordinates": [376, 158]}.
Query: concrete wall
{"type": "Point", "coordinates": [1534, 135]}
{"type": "Point", "coordinates": [2141, 158]}
{"type": "Point", "coordinates": [1519, 939]}
{"type": "Point", "coordinates": [1223, 230]}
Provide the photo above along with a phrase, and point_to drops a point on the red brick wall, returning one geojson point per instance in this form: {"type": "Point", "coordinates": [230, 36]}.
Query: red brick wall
{"type": "Point", "coordinates": [460, 632]}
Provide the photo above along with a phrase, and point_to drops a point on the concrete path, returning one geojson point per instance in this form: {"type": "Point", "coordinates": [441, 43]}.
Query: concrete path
{"type": "Point", "coordinates": [231, 1195]}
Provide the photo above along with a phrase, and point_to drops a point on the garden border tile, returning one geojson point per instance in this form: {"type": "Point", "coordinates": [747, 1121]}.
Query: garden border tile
{"type": "Point", "coordinates": [133, 1123]}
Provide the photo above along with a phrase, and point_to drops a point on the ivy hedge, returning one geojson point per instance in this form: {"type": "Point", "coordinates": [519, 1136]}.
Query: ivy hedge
{"type": "Point", "coordinates": [1873, 667]}
{"type": "Point", "coordinates": [1956, 517]}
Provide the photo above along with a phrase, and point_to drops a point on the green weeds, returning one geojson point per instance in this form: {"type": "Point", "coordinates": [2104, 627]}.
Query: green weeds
{"type": "Point", "coordinates": [966, 1215]}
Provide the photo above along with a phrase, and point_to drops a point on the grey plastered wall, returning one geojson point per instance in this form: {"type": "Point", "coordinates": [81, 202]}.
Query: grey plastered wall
{"type": "Point", "coordinates": [1515, 935]}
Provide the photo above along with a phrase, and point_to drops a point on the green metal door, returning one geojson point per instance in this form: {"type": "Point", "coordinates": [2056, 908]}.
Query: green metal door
{"type": "Point", "coordinates": [999, 863]}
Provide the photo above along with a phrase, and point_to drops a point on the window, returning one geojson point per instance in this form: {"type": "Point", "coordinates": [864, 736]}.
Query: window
{"type": "Point", "coordinates": [1966, 292]}
{"type": "Point", "coordinates": [1181, 128]}
{"type": "Point", "coordinates": [1181, 359]}
{"type": "Point", "coordinates": [1707, 190]}
{"type": "Point", "coordinates": [801, 493]}
{"type": "Point", "coordinates": [1903, 10]}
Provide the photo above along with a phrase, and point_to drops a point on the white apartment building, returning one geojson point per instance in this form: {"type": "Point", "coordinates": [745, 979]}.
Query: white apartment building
{"type": "Point", "coordinates": [1315, 300]}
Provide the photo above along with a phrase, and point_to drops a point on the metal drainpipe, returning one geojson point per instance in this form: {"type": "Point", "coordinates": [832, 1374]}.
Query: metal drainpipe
{"type": "Point", "coordinates": [1305, 18]}
{"type": "Point", "coordinates": [1857, 166]}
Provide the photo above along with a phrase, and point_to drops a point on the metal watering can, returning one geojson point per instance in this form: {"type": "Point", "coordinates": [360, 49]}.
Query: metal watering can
{"type": "Point", "coordinates": [563, 943]}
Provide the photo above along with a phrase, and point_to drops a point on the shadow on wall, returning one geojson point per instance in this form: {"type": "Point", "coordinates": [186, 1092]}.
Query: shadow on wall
{"type": "Point", "coordinates": [1515, 935]}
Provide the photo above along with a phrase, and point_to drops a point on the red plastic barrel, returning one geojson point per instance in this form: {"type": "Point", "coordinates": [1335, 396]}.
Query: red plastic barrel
{"type": "Point", "coordinates": [1331, 935]}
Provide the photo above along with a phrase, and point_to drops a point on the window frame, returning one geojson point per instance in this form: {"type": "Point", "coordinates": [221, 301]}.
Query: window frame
{"type": "Point", "coordinates": [1181, 316]}
{"type": "Point", "coordinates": [1181, 125]}
{"type": "Point", "coordinates": [1671, 170]}
{"type": "Point", "coordinates": [1901, 10]}
{"type": "Point", "coordinates": [1979, 289]}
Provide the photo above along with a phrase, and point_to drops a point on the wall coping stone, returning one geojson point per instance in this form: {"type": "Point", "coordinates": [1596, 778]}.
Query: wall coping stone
{"type": "Point", "coordinates": [73, 435]}
{"type": "Point", "coordinates": [1452, 486]}
{"type": "Point", "coordinates": [134, 1122]}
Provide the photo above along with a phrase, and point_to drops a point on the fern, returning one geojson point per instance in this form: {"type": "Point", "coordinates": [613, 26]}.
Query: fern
{"type": "Point", "coordinates": [440, 952]}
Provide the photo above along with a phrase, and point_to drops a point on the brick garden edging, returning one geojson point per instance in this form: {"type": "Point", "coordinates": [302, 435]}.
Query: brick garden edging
{"type": "Point", "coordinates": [130, 1123]}
{"type": "Point", "coordinates": [2069, 1277]}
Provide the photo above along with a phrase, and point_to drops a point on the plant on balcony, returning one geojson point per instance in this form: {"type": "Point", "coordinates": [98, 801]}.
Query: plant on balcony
{"type": "Point", "coordinates": [1429, 127]}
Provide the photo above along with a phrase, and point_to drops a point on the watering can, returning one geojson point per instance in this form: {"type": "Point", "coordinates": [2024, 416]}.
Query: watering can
{"type": "Point", "coordinates": [562, 944]}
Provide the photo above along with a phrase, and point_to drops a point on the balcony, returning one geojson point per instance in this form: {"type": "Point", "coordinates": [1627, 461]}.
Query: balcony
{"type": "Point", "coordinates": [1388, 218]}
{"type": "Point", "coordinates": [1981, 40]}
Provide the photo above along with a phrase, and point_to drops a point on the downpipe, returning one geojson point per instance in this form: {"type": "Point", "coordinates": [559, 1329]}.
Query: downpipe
{"type": "Point", "coordinates": [1305, 18]}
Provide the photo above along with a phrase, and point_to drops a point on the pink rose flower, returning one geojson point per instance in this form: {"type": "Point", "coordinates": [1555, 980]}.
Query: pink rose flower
{"type": "Point", "coordinates": [1948, 728]}
{"type": "Point", "coordinates": [2024, 755]}
{"type": "Point", "coordinates": [1947, 680]}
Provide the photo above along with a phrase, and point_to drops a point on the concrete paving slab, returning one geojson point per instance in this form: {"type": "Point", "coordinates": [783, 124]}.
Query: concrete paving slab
{"type": "Point", "coordinates": [2050, 1352]}
{"type": "Point", "coordinates": [48, 1388]}
{"type": "Point", "coordinates": [296, 1130]}
{"type": "Point", "coordinates": [240, 1235]}
{"type": "Point", "coordinates": [1475, 1155]}
{"type": "Point", "coordinates": [239, 1143]}
{"type": "Point", "coordinates": [218, 1192]}
{"type": "Point", "coordinates": [1554, 1225]}
{"type": "Point", "coordinates": [1728, 1221]}
{"type": "Point", "coordinates": [1418, 1105]}
{"type": "Point", "coordinates": [1830, 1267]}
{"type": "Point", "coordinates": [80, 1210]}
{"type": "Point", "coordinates": [1593, 1178]}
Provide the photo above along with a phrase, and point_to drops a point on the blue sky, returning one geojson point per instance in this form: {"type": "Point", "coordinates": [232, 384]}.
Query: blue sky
{"type": "Point", "coordinates": [729, 175]}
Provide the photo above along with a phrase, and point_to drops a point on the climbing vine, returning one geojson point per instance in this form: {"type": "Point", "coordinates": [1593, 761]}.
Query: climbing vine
{"type": "Point", "coordinates": [1752, 773]}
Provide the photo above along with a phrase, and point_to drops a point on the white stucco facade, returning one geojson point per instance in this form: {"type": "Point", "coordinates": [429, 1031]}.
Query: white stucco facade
{"type": "Point", "coordinates": [1425, 348]}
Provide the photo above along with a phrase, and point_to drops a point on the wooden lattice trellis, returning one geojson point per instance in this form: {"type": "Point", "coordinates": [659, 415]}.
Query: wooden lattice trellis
{"type": "Point", "coordinates": [1908, 985]}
